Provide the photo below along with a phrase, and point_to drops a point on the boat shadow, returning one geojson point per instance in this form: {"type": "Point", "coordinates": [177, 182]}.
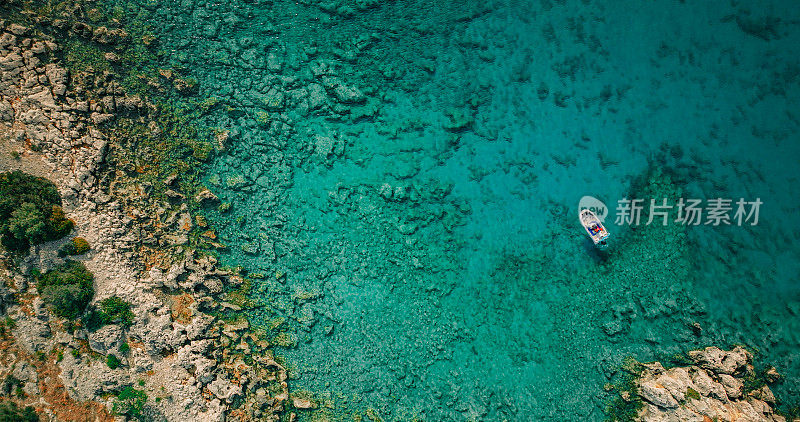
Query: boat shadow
{"type": "Point", "coordinates": [598, 255]}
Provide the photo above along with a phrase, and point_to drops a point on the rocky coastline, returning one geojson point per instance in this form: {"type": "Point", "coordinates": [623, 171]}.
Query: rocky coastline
{"type": "Point", "coordinates": [180, 354]}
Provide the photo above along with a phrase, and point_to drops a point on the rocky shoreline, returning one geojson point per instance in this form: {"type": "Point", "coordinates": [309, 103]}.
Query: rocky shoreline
{"type": "Point", "coordinates": [189, 363]}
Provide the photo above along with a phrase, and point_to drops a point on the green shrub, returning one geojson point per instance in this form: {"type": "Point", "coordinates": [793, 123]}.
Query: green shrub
{"type": "Point", "coordinates": [30, 211]}
{"type": "Point", "coordinates": [124, 348]}
{"type": "Point", "coordinates": [691, 393]}
{"type": "Point", "coordinates": [9, 384]}
{"type": "Point", "coordinates": [130, 402]}
{"type": "Point", "coordinates": [117, 310]}
{"type": "Point", "coordinates": [113, 362]}
{"type": "Point", "coordinates": [67, 289]}
{"type": "Point", "coordinates": [27, 223]}
{"type": "Point", "coordinates": [113, 310]}
{"type": "Point", "coordinates": [94, 319]}
{"type": "Point", "coordinates": [10, 412]}
{"type": "Point", "coordinates": [77, 246]}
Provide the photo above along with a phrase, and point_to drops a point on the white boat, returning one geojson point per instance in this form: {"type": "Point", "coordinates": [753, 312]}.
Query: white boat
{"type": "Point", "coordinates": [594, 227]}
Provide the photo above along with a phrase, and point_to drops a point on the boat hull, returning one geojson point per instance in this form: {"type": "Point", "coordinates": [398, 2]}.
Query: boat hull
{"type": "Point", "coordinates": [594, 227]}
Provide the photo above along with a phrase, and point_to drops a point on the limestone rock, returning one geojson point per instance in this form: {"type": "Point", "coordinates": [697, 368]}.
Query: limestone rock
{"type": "Point", "coordinates": [199, 327]}
{"type": "Point", "coordinates": [765, 394]}
{"type": "Point", "coordinates": [224, 389]}
{"type": "Point", "coordinates": [206, 195]}
{"type": "Point", "coordinates": [32, 334]}
{"type": "Point", "coordinates": [86, 380]}
{"type": "Point", "coordinates": [658, 395]}
{"type": "Point", "coordinates": [107, 340]}
{"type": "Point", "coordinates": [733, 386]}
{"type": "Point", "coordinates": [302, 403]}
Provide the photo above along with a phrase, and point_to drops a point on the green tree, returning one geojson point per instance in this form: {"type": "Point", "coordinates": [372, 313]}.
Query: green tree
{"type": "Point", "coordinates": [30, 211]}
{"type": "Point", "coordinates": [27, 222]}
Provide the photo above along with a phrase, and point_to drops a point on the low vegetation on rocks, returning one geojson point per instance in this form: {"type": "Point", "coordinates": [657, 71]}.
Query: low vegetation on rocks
{"type": "Point", "coordinates": [130, 402]}
{"type": "Point", "coordinates": [77, 246]}
{"type": "Point", "coordinates": [10, 412]}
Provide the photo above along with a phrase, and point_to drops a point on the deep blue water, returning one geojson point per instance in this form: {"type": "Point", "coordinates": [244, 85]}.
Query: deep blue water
{"type": "Point", "coordinates": [405, 178]}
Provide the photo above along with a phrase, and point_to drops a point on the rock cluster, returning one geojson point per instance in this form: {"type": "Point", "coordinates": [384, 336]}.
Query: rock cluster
{"type": "Point", "coordinates": [713, 388]}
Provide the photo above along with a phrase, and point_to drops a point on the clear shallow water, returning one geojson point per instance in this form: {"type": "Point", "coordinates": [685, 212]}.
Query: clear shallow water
{"type": "Point", "coordinates": [420, 246]}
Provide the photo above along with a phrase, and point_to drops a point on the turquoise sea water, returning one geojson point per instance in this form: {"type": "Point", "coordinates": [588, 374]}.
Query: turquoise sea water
{"type": "Point", "coordinates": [405, 177]}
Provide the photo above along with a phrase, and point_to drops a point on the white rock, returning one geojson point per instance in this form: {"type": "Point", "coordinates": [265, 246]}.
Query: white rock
{"type": "Point", "coordinates": [720, 361]}
{"type": "Point", "coordinates": [657, 394]}
{"type": "Point", "coordinates": [733, 386]}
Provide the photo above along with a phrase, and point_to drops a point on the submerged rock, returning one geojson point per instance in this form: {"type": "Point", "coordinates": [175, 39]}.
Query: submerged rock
{"type": "Point", "coordinates": [345, 94]}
